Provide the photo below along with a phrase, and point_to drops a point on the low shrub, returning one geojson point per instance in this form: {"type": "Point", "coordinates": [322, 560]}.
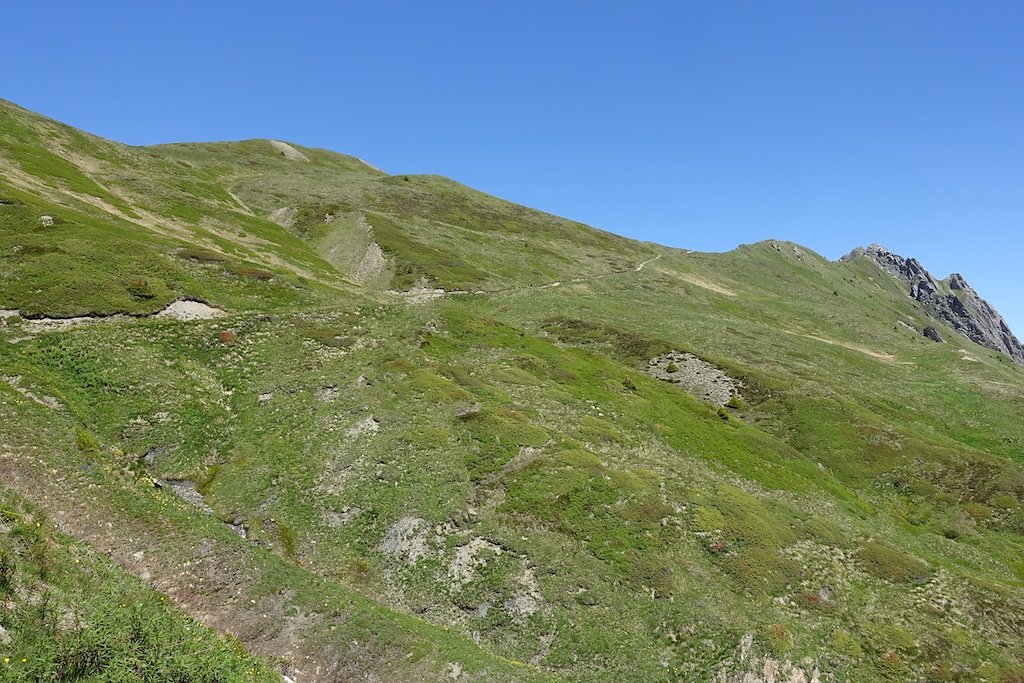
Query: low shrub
{"type": "Point", "coordinates": [201, 255]}
{"type": "Point", "coordinates": [140, 289]}
{"type": "Point", "coordinates": [777, 639]}
{"type": "Point", "coordinates": [889, 564]}
{"type": "Point", "coordinates": [249, 271]}
{"type": "Point", "coordinates": [86, 443]}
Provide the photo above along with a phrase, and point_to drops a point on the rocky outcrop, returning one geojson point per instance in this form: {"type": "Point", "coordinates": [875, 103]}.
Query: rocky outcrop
{"type": "Point", "coordinates": [951, 301]}
{"type": "Point", "coordinates": [933, 334]}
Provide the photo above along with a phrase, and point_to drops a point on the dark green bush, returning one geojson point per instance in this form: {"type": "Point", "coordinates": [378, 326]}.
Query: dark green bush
{"type": "Point", "coordinates": [889, 564]}
{"type": "Point", "coordinates": [201, 255]}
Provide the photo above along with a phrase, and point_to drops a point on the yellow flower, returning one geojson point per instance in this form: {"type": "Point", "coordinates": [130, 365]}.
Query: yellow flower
{"type": "Point", "coordinates": [7, 660]}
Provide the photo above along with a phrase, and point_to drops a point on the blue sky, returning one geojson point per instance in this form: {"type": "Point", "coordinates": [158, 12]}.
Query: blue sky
{"type": "Point", "coordinates": [694, 124]}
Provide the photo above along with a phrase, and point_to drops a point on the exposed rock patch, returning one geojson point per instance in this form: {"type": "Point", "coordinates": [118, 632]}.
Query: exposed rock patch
{"type": "Point", "coordinates": [288, 151]}
{"type": "Point", "coordinates": [285, 216]}
{"type": "Point", "coordinates": [339, 519]}
{"type": "Point", "coordinates": [747, 667]}
{"type": "Point", "coordinates": [470, 556]}
{"type": "Point", "coordinates": [186, 490]}
{"type": "Point", "coordinates": [406, 539]}
{"type": "Point", "coordinates": [372, 266]}
{"type": "Point", "coordinates": [528, 600]}
{"type": "Point", "coordinates": [369, 425]}
{"type": "Point", "coordinates": [698, 377]}
{"type": "Point", "coordinates": [933, 334]}
{"type": "Point", "coordinates": [421, 295]}
{"type": "Point", "coordinates": [153, 452]}
{"type": "Point", "coordinates": [187, 310]}
{"type": "Point", "coordinates": [951, 301]}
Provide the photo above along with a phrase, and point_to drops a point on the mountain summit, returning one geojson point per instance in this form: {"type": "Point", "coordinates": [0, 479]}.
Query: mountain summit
{"type": "Point", "coordinates": [951, 301]}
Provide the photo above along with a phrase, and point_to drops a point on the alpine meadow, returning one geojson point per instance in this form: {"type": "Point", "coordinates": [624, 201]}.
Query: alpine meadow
{"type": "Point", "coordinates": [269, 413]}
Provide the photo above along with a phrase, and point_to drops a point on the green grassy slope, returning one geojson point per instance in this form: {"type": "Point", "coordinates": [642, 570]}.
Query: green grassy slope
{"type": "Point", "coordinates": [490, 482]}
{"type": "Point", "coordinates": [69, 613]}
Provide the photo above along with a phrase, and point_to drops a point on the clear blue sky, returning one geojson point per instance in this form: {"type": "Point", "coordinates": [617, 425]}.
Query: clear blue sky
{"type": "Point", "coordinates": [694, 124]}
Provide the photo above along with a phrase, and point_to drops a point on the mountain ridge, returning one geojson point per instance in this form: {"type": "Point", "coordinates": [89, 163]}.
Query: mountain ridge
{"type": "Point", "coordinates": [976, 319]}
{"type": "Point", "coordinates": [951, 301]}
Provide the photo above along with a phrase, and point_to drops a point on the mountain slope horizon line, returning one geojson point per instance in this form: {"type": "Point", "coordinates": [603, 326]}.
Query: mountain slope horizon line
{"type": "Point", "coordinates": [950, 301]}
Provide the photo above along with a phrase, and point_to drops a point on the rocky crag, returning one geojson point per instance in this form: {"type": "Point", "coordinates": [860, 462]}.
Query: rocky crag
{"type": "Point", "coordinates": [951, 301]}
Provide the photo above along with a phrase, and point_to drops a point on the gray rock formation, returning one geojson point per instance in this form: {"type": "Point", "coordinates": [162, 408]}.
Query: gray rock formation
{"type": "Point", "coordinates": [933, 334]}
{"type": "Point", "coordinates": [951, 301]}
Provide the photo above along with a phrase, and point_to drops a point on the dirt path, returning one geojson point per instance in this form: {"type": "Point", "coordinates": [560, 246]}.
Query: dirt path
{"type": "Point", "coordinates": [212, 579]}
{"type": "Point", "coordinates": [202, 585]}
{"type": "Point", "coordinates": [245, 207]}
{"type": "Point", "coordinates": [588, 278]}
{"type": "Point", "coordinates": [880, 355]}
{"type": "Point", "coordinates": [641, 266]}
{"type": "Point", "coordinates": [422, 295]}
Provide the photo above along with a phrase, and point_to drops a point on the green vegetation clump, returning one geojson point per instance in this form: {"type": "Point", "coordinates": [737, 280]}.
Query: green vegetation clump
{"type": "Point", "coordinates": [777, 639]}
{"type": "Point", "coordinates": [736, 403]}
{"type": "Point", "coordinates": [201, 255]}
{"type": "Point", "coordinates": [623, 344]}
{"type": "Point", "coordinates": [889, 564]}
{"type": "Point", "coordinates": [417, 260]}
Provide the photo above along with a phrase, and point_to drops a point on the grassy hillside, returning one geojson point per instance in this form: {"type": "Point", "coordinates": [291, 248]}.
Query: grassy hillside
{"type": "Point", "coordinates": [68, 613]}
{"type": "Point", "coordinates": [453, 438]}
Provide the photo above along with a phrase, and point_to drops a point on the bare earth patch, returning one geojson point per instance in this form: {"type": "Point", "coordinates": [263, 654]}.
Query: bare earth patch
{"type": "Point", "coordinates": [406, 539]}
{"type": "Point", "coordinates": [187, 310]}
{"type": "Point", "coordinates": [47, 401]}
{"type": "Point", "coordinates": [853, 347]}
{"type": "Point", "coordinates": [470, 556]}
{"type": "Point", "coordinates": [288, 151]}
{"type": "Point", "coordinates": [369, 425]}
{"type": "Point", "coordinates": [706, 284]}
{"type": "Point", "coordinates": [285, 216]}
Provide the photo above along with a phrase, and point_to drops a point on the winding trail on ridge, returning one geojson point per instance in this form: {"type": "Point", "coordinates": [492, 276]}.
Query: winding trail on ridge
{"type": "Point", "coordinates": [422, 295]}
{"type": "Point", "coordinates": [632, 269]}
